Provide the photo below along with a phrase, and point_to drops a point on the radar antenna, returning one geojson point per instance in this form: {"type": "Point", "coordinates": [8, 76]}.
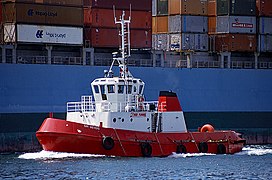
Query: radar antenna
{"type": "Point", "coordinates": [125, 44]}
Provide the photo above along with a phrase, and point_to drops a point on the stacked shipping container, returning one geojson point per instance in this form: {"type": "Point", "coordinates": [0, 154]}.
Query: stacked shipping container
{"type": "Point", "coordinates": [232, 25]}
{"type": "Point", "coordinates": [264, 13]}
{"type": "Point", "coordinates": [1, 25]}
{"type": "Point", "coordinates": [101, 31]}
{"type": "Point", "coordinates": [53, 22]}
{"type": "Point", "coordinates": [180, 25]}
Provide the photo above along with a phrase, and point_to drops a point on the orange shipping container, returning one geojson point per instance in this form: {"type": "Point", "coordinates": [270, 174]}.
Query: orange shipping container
{"type": "Point", "coordinates": [264, 7]}
{"type": "Point", "coordinates": [211, 25]}
{"type": "Point", "coordinates": [191, 7]}
{"type": "Point", "coordinates": [42, 14]}
{"type": "Point", "coordinates": [105, 18]}
{"type": "Point", "coordinates": [99, 37]}
{"type": "Point", "coordinates": [160, 24]}
{"type": "Point", "coordinates": [235, 42]}
{"type": "Point", "coordinates": [154, 25]}
{"type": "Point", "coordinates": [212, 8]}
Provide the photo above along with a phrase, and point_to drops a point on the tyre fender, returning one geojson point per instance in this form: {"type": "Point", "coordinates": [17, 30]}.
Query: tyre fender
{"type": "Point", "coordinates": [203, 147]}
{"type": "Point", "coordinates": [107, 143]}
{"type": "Point", "coordinates": [146, 149]}
{"type": "Point", "coordinates": [221, 149]}
{"type": "Point", "coordinates": [181, 149]}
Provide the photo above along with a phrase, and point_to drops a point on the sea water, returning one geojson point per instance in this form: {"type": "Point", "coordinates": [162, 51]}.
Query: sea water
{"type": "Point", "coordinates": [254, 162]}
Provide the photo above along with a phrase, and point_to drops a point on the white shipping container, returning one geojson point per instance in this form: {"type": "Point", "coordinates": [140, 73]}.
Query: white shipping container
{"type": "Point", "coordinates": [189, 41]}
{"type": "Point", "coordinates": [187, 23]}
{"type": "Point", "coordinates": [154, 7]}
{"type": "Point", "coordinates": [49, 34]}
{"type": "Point", "coordinates": [175, 42]}
{"type": "Point", "coordinates": [265, 43]}
{"type": "Point", "coordinates": [9, 33]}
{"type": "Point", "coordinates": [265, 25]}
{"type": "Point", "coordinates": [161, 42]}
{"type": "Point", "coordinates": [236, 24]}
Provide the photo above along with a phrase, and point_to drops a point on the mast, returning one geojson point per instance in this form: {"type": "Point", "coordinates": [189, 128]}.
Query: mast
{"type": "Point", "coordinates": [125, 44]}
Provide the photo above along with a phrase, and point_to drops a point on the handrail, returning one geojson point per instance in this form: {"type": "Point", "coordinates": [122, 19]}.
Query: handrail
{"type": "Point", "coordinates": [143, 62]}
{"type": "Point", "coordinates": [88, 105]}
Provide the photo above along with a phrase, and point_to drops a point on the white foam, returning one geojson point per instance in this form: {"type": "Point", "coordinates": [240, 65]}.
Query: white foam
{"type": "Point", "coordinates": [255, 150]}
{"type": "Point", "coordinates": [54, 155]}
{"type": "Point", "coordinates": [175, 155]}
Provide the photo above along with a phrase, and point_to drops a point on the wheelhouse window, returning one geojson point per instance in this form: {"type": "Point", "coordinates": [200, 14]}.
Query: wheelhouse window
{"type": "Point", "coordinates": [141, 89]}
{"type": "Point", "coordinates": [96, 89]}
{"type": "Point", "coordinates": [103, 94]}
{"type": "Point", "coordinates": [121, 89]}
{"type": "Point", "coordinates": [129, 89]}
{"type": "Point", "coordinates": [111, 88]}
{"type": "Point", "coordinates": [102, 88]}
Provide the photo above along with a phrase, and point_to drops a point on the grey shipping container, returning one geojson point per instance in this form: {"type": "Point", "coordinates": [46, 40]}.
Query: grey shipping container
{"type": "Point", "coordinates": [265, 25]}
{"type": "Point", "coordinates": [154, 7]}
{"type": "Point", "coordinates": [153, 41]}
{"type": "Point", "coordinates": [265, 43]}
{"type": "Point", "coordinates": [174, 23]}
{"type": "Point", "coordinates": [186, 23]}
{"type": "Point", "coordinates": [236, 7]}
{"type": "Point", "coordinates": [236, 24]}
{"type": "Point", "coordinates": [161, 41]}
{"type": "Point", "coordinates": [162, 7]}
{"type": "Point", "coordinates": [188, 41]}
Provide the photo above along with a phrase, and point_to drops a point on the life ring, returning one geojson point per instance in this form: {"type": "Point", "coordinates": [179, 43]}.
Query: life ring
{"type": "Point", "coordinates": [203, 147]}
{"type": "Point", "coordinates": [140, 99]}
{"type": "Point", "coordinates": [221, 149]}
{"type": "Point", "coordinates": [181, 149]}
{"type": "Point", "coordinates": [146, 149]}
{"type": "Point", "coordinates": [140, 103]}
{"type": "Point", "coordinates": [107, 143]}
{"type": "Point", "coordinates": [207, 128]}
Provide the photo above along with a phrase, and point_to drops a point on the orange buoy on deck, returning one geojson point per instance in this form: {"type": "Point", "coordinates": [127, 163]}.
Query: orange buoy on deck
{"type": "Point", "coordinates": [207, 128]}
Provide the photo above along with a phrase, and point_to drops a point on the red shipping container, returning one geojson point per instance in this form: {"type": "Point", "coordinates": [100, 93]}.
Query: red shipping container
{"type": "Point", "coordinates": [1, 13]}
{"type": "Point", "coordinates": [141, 5]}
{"type": "Point", "coordinates": [108, 37]}
{"type": "Point", "coordinates": [264, 7]}
{"type": "Point", "coordinates": [141, 38]}
{"type": "Point", "coordinates": [235, 42]}
{"type": "Point", "coordinates": [105, 18]}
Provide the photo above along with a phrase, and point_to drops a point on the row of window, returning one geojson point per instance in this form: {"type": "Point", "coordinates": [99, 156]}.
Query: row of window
{"type": "Point", "coordinates": [121, 89]}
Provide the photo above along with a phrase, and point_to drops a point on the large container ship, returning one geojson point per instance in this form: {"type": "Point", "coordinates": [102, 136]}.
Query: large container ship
{"type": "Point", "coordinates": [215, 54]}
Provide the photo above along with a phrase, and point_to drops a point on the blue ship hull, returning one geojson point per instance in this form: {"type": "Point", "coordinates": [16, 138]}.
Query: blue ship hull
{"type": "Point", "coordinates": [227, 98]}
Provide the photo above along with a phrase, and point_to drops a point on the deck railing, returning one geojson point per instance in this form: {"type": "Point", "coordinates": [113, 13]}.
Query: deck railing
{"type": "Point", "coordinates": [144, 62]}
{"type": "Point", "coordinates": [88, 105]}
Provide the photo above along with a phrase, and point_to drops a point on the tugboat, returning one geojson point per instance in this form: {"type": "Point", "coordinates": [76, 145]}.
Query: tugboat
{"type": "Point", "coordinates": [117, 121]}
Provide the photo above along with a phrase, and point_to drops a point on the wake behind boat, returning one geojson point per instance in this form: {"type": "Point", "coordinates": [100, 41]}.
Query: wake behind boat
{"type": "Point", "coordinates": [118, 121]}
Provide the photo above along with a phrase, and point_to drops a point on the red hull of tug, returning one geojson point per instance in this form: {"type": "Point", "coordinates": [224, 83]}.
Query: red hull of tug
{"type": "Point", "coordinates": [64, 136]}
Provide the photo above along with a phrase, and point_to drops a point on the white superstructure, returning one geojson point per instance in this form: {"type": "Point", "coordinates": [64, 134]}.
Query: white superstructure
{"type": "Point", "coordinates": [119, 101]}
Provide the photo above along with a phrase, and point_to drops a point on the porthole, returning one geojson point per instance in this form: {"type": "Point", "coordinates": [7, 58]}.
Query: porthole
{"type": "Point", "coordinates": [114, 120]}
{"type": "Point", "coordinates": [131, 119]}
{"type": "Point", "coordinates": [147, 119]}
{"type": "Point", "coordinates": [123, 120]}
